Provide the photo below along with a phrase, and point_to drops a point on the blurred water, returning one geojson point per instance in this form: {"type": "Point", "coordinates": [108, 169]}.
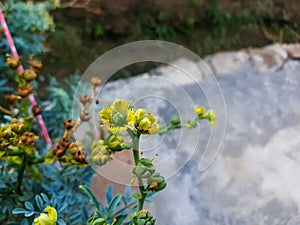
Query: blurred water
{"type": "Point", "coordinates": [255, 179]}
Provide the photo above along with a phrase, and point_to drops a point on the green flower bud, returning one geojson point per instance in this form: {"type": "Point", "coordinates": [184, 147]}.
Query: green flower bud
{"type": "Point", "coordinates": [191, 124]}
{"type": "Point", "coordinates": [156, 182]}
{"type": "Point", "coordinates": [175, 120]}
{"type": "Point", "coordinates": [17, 126]}
{"type": "Point", "coordinates": [119, 119]}
{"type": "Point", "coordinates": [115, 143]}
{"type": "Point", "coordinates": [100, 154]}
{"type": "Point", "coordinates": [142, 217]}
{"type": "Point", "coordinates": [144, 168]}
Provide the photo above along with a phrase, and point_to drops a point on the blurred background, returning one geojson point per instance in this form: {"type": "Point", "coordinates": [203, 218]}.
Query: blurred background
{"type": "Point", "coordinates": [76, 32]}
{"type": "Point", "coordinates": [67, 36]}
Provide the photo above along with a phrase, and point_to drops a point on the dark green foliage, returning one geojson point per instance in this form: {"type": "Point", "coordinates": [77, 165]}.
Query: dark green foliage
{"type": "Point", "coordinates": [59, 104]}
{"type": "Point", "coordinates": [28, 24]}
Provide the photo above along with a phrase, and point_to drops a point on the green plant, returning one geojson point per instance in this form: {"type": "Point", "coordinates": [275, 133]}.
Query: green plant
{"type": "Point", "coordinates": [29, 34]}
{"type": "Point", "coordinates": [24, 165]}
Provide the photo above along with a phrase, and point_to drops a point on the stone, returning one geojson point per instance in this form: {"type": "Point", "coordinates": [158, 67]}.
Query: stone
{"type": "Point", "coordinates": [293, 50]}
{"type": "Point", "coordinates": [228, 62]}
{"type": "Point", "coordinates": [269, 58]}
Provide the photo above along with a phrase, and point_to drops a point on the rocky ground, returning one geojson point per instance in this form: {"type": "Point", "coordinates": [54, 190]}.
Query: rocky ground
{"type": "Point", "coordinates": [254, 178]}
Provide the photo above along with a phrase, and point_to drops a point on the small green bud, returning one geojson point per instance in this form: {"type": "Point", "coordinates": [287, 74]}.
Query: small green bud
{"type": "Point", "coordinates": [175, 120]}
{"type": "Point", "coordinates": [156, 182]}
{"type": "Point", "coordinates": [119, 119]}
{"type": "Point", "coordinates": [115, 143]}
{"type": "Point", "coordinates": [142, 217]}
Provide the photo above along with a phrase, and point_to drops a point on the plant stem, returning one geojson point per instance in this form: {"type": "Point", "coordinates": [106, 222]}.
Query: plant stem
{"type": "Point", "coordinates": [6, 111]}
{"type": "Point", "coordinates": [136, 155]}
{"type": "Point", "coordinates": [20, 177]}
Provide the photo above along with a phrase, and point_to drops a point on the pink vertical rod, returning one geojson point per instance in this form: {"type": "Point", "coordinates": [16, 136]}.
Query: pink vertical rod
{"type": "Point", "coordinates": [21, 70]}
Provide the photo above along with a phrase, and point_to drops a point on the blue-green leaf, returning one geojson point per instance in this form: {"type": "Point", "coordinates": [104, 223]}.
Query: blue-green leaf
{"type": "Point", "coordinates": [120, 219]}
{"type": "Point", "coordinates": [98, 221]}
{"type": "Point", "coordinates": [29, 206]}
{"type": "Point", "coordinates": [137, 196]}
{"type": "Point", "coordinates": [109, 193]}
{"type": "Point", "coordinates": [63, 207]}
{"type": "Point", "coordinates": [93, 198]}
{"type": "Point", "coordinates": [61, 222]}
{"type": "Point", "coordinates": [19, 211]}
{"type": "Point", "coordinates": [24, 222]}
{"type": "Point", "coordinates": [45, 198]}
{"type": "Point", "coordinates": [114, 204]}
{"type": "Point", "coordinates": [39, 202]}
{"type": "Point", "coordinates": [28, 213]}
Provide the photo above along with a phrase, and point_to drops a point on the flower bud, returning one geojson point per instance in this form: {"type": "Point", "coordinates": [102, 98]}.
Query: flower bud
{"type": "Point", "coordinates": [115, 142]}
{"type": "Point", "coordinates": [156, 182]}
{"type": "Point", "coordinates": [96, 81]}
{"type": "Point", "coordinates": [64, 142]}
{"type": "Point", "coordinates": [28, 138]}
{"type": "Point", "coordinates": [144, 168]}
{"type": "Point", "coordinates": [119, 119]}
{"type": "Point", "coordinates": [17, 126]}
{"type": "Point", "coordinates": [35, 64]}
{"type": "Point", "coordinates": [211, 116]}
{"type": "Point", "coordinates": [25, 91]}
{"type": "Point", "coordinates": [29, 75]}
{"type": "Point", "coordinates": [199, 110]}
{"type": "Point", "coordinates": [59, 151]}
{"type": "Point", "coordinates": [80, 156]}
{"type": "Point", "coordinates": [100, 154]}
{"type": "Point", "coordinates": [75, 147]}
{"type": "Point", "coordinates": [36, 110]}
{"type": "Point", "coordinates": [142, 217]}
{"type": "Point", "coordinates": [84, 116]}
{"type": "Point", "coordinates": [13, 62]}
{"type": "Point", "coordinates": [84, 99]}
{"type": "Point", "coordinates": [69, 124]}
{"type": "Point", "coordinates": [175, 120]}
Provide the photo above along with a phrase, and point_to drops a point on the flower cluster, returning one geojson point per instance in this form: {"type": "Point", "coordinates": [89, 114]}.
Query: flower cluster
{"type": "Point", "coordinates": [146, 170]}
{"type": "Point", "coordinates": [77, 153]}
{"type": "Point", "coordinates": [47, 218]}
{"type": "Point", "coordinates": [121, 115]}
{"type": "Point", "coordinates": [142, 217]}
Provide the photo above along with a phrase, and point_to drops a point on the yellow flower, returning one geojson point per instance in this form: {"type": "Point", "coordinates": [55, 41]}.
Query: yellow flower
{"type": "Point", "coordinates": [48, 218]}
{"type": "Point", "coordinates": [199, 110]}
{"type": "Point", "coordinates": [211, 116]}
{"type": "Point", "coordinates": [117, 116]}
{"type": "Point", "coordinates": [146, 123]}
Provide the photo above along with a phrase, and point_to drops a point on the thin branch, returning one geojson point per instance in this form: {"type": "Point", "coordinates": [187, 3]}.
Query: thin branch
{"type": "Point", "coordinates": [6, 111]}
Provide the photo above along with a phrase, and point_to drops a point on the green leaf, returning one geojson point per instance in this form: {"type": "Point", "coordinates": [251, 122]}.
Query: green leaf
{"type": "Point", "coordinates": [28, 214]}
{"type": "Point", "coordinates": [109, 193]}
{"type": "Point", "coordinates": [114, 204]}
{"type": "Point", "coordinates": [39, 202]}
{"type": "Point", "coordinates": [29, 206]}
{"type": "Point", "coordinates": [137, 196]}
{"type": "Point", "coordinates": [99, 221]}
{"type": "Point", "coordinates": [93, 198]}
{"type": "Point", "coordinates": [46, 199]}
{"type": "Point", "coordinates": [120, 219]}
{"type": "Point", "coordinates": [19, 211]}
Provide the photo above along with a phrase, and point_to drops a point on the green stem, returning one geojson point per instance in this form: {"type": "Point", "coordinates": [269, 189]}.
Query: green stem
{"type": "Point", "coordinates": [5, 191]}
{"type": "Point", "coordinates": [20, 177]}
{"type": "Point", "coordinates": [136, 155]}
{"type": "Point", "coordinates": [124, 208]}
